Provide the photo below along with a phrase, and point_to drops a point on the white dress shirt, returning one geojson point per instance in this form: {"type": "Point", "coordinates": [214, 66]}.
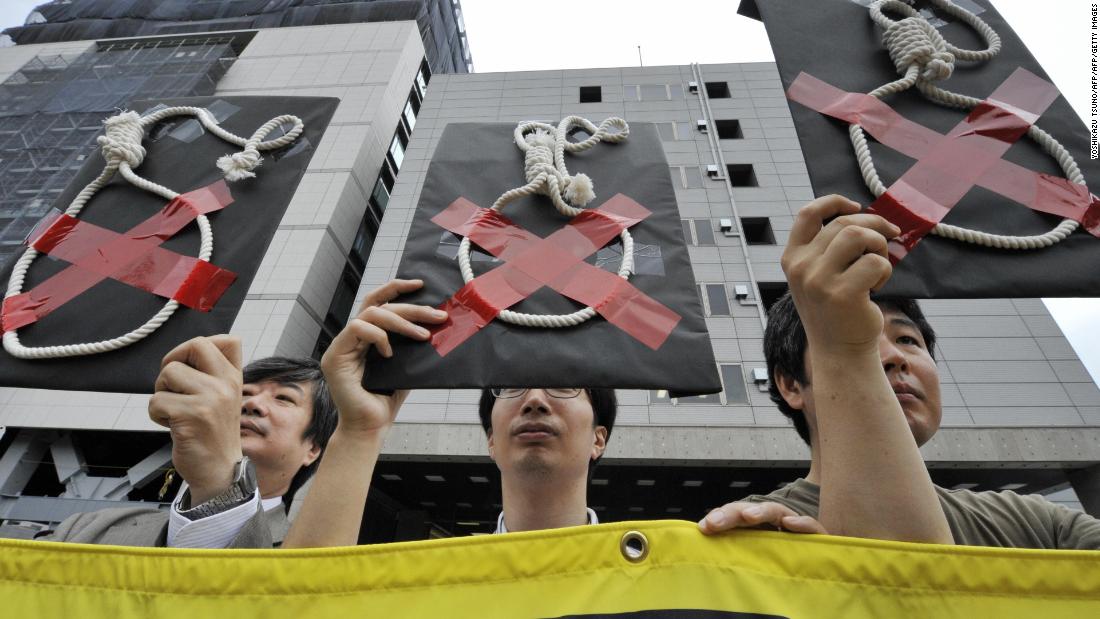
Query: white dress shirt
{"type": "Point", "coordinates": [215, 531]}
{"type": "Point", "coordinates": [592, 519]}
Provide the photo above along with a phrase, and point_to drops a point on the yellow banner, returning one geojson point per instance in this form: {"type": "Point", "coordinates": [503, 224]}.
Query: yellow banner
{"type": "Point", "coordinates": [605, 570]}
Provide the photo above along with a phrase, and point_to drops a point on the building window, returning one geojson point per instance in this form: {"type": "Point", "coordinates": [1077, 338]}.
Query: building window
{"type": "Point", "coordinates": [385, 174]}
{"type": "Point", "coordinates": [704, 232]}
{"type": "Point", "coordinates": [698, 231]}
{"type": "Point", "coordinates": [654, 92]}
{"type": "Point", "coordinates": [717, 301]}
{"type": "Point", "coordinates": [742, 175]}
{"type": "Point", "coordinates": [729, 129]}
{"type": "Point", "coordinates": [410, 115]}
{"type": "Point", "coordinates": [397, 152]}
{"type": "Point", "coordinates": [364, 241]}
{"type": "Point", "coordinates": [709, 398]}
{"type": "Point", "coordinates": [684, 131]}
{"type": "Point", "coordinates": [718, 90]}
{"type": "Point", "coordinates": [733, 384]}
{"type": "Point", "coordinates": [733, 391]}
{"type": "Point", "coordinates": [758, 230]}
{"type": "Point", "coordinates": [591, 94]}
{"type": "Point", "coordinates": [770, 292]}
{"type": "Point", "coordinates": [379, 198]}
{"type": "Point", "coordinates": [421, 82]}
{"type": "Point", "coordinates": [687, 177]}
{"type": "Point", "coordinates": [659, 396]}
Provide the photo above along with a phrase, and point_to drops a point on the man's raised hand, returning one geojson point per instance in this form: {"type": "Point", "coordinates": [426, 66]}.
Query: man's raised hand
{"type": "Point", "coordinates": [345, 360]}
{"type": "Point", "coordinates": [832, 269]}
{"type": "Point", "coordinates": [197, 396]}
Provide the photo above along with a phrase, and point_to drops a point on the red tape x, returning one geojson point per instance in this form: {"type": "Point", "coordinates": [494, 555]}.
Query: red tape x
{"type": "Point", "coordinates": [134, 258]}
{"type": "Point", "coordinates": [556, 261]}
{"type": "Point", "coordinates": [949, 165]}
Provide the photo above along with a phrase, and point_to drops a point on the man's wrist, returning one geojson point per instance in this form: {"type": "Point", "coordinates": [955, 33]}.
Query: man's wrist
{"type": "Point", "coordinates": [214, 484]}
{"type": "Point", "coordinates": [240, 490]}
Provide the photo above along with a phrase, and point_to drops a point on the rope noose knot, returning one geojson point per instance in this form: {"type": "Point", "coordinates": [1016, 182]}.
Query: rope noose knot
{"type": "Point", "coordinates": [914, 41]}
{"type": "Point", "coordinates": [539, 160]}
{"type": "Point", "coordinates": [121, 140]}
{"type": "Point", "coordinates": [240, 166]}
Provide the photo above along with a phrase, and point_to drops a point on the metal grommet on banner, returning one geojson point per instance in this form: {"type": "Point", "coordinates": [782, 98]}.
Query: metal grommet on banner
{"type": "Point", "coordinates": [635, 546]}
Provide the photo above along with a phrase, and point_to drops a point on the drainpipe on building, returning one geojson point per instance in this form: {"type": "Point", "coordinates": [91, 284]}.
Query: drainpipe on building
{"type": "Point", "coordinates": [716, 152]}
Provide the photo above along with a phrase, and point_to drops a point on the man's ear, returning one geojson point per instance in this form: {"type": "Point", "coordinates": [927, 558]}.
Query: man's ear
{"type": "Point", "coordinates": [600, 442]}
{"type": "Point", "coordinates": [491, 455]}
{"type": "Point", "coordinates": [791, 390]}
{"type": "Point", "coordinates": [313, 453]}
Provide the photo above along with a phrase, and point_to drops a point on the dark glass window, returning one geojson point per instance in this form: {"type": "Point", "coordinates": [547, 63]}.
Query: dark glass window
{"type": "Point", "coordinates": [758, 230]}
{"type": "Point", "coordinates": [386, 175]}
{"type": "Point", "coordinates": [733, 382]}
{"type": "Point", "coordinates": [742, 175]}
{"type": "Point", "coordinates": [718, 90]}
{"type": "Point", "coordinates": [591, 94]}
{"type": "Point", "coordinates": [729, 129]}
{"type": "Point", "coordinates": [364, 239]}
{"type": "Point", "coordinates": [770, 292]}
{"type": "Point", "coordinates": [704, 233]}
{"type": "Point", "coordinates": [717, 300]}
{"type": "Point", "coordinates": [380, 197]}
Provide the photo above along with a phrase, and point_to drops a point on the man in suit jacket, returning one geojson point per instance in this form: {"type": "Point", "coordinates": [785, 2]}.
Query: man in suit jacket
{"type": "Point", "coordinates": [241, 440]}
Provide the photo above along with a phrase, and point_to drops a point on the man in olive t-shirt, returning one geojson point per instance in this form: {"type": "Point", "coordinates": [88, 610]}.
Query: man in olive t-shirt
{"type": "Point", "coordinates": [1002, 519]}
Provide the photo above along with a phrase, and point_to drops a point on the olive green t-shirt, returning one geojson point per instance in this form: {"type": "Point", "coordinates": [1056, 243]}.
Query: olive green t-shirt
{"type": "Point", "coordinates": [1002, 519]}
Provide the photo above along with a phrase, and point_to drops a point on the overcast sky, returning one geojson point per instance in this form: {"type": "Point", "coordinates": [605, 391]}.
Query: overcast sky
{"type": "Point", "coordinates": [519, 35]}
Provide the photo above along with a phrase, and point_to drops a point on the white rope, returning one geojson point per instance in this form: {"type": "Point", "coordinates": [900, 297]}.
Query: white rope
{"type": "Point", "coordinates": [544, 148]}
{"type": "Point", "coordinates": [923, 57]}
{"type": "Point", "coordinates": [121, 148]}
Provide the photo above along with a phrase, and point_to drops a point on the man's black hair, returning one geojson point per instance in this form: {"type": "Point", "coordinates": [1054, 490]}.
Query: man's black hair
{"type": "Point", "coordinates": [785, 348]}
{"type": "Point", "coordinates": [322, 423]}
{"type": "Point", "coordinates": [603, 402]}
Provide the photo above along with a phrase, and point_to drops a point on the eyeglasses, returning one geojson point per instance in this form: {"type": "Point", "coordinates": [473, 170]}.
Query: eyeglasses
{"type": "Point", "coordinates": [553, 392]}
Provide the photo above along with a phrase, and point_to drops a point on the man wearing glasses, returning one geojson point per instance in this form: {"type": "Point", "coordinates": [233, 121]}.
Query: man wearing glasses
{"type": "Point", "coordinates": [545, 442]}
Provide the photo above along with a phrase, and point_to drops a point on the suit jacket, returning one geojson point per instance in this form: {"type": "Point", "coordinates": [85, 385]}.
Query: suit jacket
{"type": "Point", "coordinates": [147, 526]}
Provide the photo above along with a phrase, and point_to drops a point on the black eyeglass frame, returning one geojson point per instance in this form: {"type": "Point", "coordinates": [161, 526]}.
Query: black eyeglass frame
{"type": "Point", "coordinates": [499, 392]}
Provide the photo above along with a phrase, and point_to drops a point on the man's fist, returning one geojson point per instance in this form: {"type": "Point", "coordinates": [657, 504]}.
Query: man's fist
{"type": "Point", "coordinates": [198, 398]}
{"type": "Point", "coordinates": [832, 270]}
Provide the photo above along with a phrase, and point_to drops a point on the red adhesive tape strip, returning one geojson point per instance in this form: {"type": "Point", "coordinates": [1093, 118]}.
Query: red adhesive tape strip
{"type": "Point", "coordinates": [1005, 115]}
{"type": "Point", "coordinates": [556, 261]}
{"type": "Point", "coordinates": [134, 258]}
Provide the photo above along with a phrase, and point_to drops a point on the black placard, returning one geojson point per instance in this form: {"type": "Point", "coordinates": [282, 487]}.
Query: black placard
{"type": "Point", "coordinates": [479, 161]}
{"type": "Point", "coordinates": [181, 158]}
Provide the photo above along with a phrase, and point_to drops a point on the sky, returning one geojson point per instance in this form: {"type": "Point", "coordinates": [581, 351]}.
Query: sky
{"type": "Point", "coordinates": [529, 35]}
